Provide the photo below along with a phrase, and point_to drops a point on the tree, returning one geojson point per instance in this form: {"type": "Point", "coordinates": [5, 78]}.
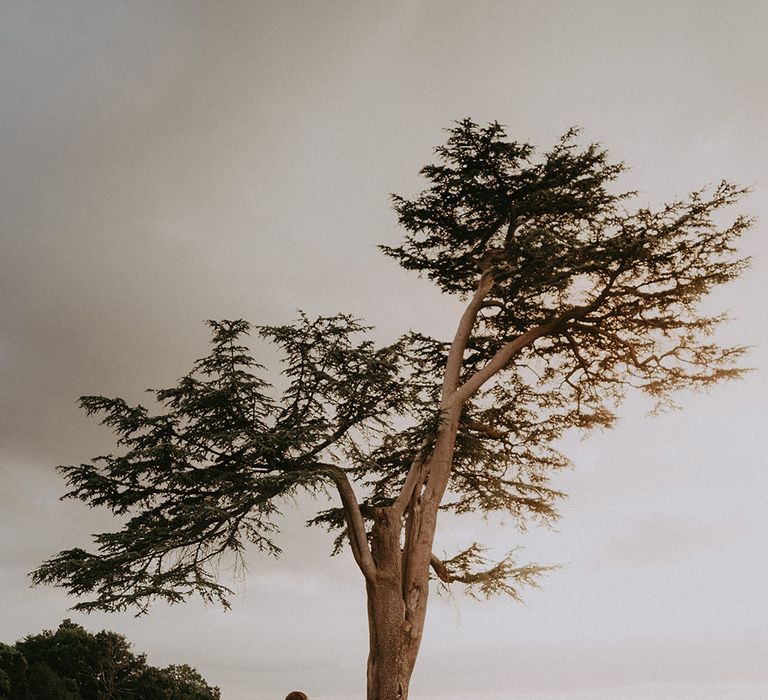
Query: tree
{"type": "Point", "coordinates": [13, 674]}
{"type": "Point", "coordinates": [73, 664]}
{"type": "Point", "coordinates": [174, 683]}
{"type": "Point", "coordinates": [43, 682]}
{"type": "Point", "coordinates": [571, 300]}
{"type": "Point", "coordinates": [61, 662]}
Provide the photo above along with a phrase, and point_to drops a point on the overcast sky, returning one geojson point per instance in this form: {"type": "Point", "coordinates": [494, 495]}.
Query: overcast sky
{"type": "Point", "coordinates": [168, 162]}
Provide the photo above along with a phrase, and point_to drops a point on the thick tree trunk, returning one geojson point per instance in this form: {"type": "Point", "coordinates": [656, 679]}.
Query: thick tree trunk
{"type": "Point", "coordinates": [398, 586]}
{"type": "Point", "coordinates": [395, 612]}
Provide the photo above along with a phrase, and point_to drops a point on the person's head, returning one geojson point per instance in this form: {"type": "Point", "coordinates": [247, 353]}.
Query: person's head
{"type": "Point", "coordinates": [296, 695]}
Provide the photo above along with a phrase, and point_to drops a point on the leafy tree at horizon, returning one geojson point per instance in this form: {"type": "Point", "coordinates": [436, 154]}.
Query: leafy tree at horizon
{"type": "Point", "coordinates": [571, 300]}
{"type": "Point", "coordinates": [74, 664]}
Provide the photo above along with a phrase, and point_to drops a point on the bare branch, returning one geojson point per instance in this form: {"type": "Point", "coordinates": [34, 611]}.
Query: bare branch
{"type": "Point", "coordinates": [463, 332]}
{"type": "Point", "coordinates": [354, 519]}
{"type": "Point", "coordinates": [484, 429]}
{"type": "Point", "coordinates": [503, 357]}
{"type": "Point", "coordinates": [414, 478]}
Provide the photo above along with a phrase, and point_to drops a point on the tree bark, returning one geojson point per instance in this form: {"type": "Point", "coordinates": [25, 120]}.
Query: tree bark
{"type": "Point", "coordinates": [396, 609]}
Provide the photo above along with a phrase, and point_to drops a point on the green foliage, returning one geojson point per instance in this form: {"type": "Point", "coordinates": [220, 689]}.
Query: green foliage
{"type": "Point", "coordinates": [74, 664]}
{"type": "Point", "coordinates": [617, 289]}
{"type": "Point", "coordinates": [580, 300]}
{"type": "Point", "coordinates": [174, 683]}
{"type": "Point", "coordinates": [43, 682]}
{"type": "Point", "coordinates": [556, 241]}
{"type": "Point", "coordinates": [210, 471]}
{"type": "Point", "coordinates": [489, 196]}
{"type": "Point", "coordinates": [13, 667]}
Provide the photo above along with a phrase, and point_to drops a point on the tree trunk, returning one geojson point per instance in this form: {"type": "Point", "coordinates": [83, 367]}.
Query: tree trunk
{"type": "Point", "coordinates": [399, 586]}
{"type": "Point", "coordinates": [395, 612]}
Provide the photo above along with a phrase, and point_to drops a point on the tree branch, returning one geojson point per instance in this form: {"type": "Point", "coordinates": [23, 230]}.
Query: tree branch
{"type": "Point", "coordinates": [441, 570]}
{"type": "Point", "coordinates": [501, 577]}
{"type": "Point", "coordinates": [354, 519]}
{"type": "Point", "coordinates": [413, 479]}
{"type": "Point", "coordinates": [484, 428]}
{"type": "Point", "coordinates": [505, 354]}
{"type": "Point", "coordinates": [451, 376]}
{"type": "Point", "coordinates": [463, 332]}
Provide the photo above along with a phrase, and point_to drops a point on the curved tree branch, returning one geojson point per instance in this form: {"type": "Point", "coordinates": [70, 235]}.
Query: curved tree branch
{"type": "Point", "coordinates": [505, 354]}
{"type": "Point", "coordinates": [354, 519]}
{"type": "Point", "coordinates": [463, 332]}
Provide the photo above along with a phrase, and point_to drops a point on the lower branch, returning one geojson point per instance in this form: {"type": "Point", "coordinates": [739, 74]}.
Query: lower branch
{"type": "Point", "coordinates": [502, 577]}
{"type": "Point", "coordinates": [354, 519]}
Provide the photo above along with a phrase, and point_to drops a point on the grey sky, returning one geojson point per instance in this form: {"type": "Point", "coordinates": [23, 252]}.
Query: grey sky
{"type": "Point", "coordinates": [167, 162]}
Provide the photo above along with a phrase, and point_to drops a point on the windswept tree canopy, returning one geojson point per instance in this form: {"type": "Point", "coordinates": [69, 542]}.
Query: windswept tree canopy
{"type": "Point", "coordinates": [573, 298]}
